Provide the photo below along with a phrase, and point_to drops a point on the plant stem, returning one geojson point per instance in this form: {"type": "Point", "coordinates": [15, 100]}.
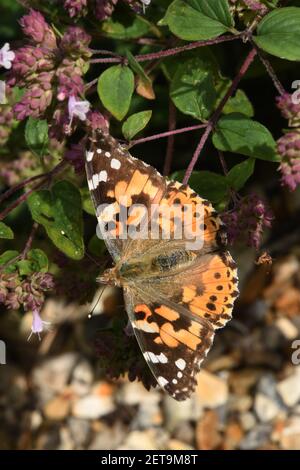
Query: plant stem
{"type": "Point", "coordinates": [30, 240]}
{"type": "Point", "coordinates": [19, 200]}
{"type": "Point", "coordinates": [44, 177]}
{"type": "Point", "coordinates": [278, 85]}
{"type": "Point", "coordinates": [168, 52]}
{"type": "Point", "coordinates": [215, 117]}
{"type": "Point", "coordinates": [171, 138]}
{"type": "Point", "coordinates": [166, 134]}
{"type": "Point", "coordinates": [23, 183]}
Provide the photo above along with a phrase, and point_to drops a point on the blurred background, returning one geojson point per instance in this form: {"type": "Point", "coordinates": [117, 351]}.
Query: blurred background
{"type": "Point", "coordinates": [54, 393]}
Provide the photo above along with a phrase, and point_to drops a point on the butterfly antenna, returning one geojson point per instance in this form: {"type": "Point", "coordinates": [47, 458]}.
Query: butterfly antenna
{"type": "Point", "coordinates": [98, 300]}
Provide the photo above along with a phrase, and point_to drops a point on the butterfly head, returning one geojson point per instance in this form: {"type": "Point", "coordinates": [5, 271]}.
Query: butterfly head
{"type": "Point", "coordinates": [110, 277]}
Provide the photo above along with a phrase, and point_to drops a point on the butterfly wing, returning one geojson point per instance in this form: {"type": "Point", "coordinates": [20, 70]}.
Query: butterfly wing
{"type": "Point", "coordinates": [173, 342]}
{"type": "Point", "coordinates": [117, 181]}
{"type": "Point", "coordinates": [176, 313]}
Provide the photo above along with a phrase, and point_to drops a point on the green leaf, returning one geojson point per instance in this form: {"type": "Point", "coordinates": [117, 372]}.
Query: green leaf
{"type": "Point", "coordinates": [36, 135]}
{"type": "Point", "coordinates": [238, 134]}
{"type": "Point", "coordinates": [87, 203]}
{"type": "Point", "coordinates": [192, 89]}
{"type": "Point", "coordinates": [239, 103]}
{"type": "Point", "coordinates": [135, 123]}
{"type": "Point", "coordinates": [115, 89]}
{"type": "Point", "coordinates": [6, 232]}
{"type": "Point", "coordinates": [207, 184]}
{"type": "Point", "coordinates": [195, 20]}
{"type": "Point", "coordinates": [278, 33]}
{"type": "Point", "coordinates": [96, 246]}
{"type": "Point", "coordinates": [60, 212]}
{"type": "Point", "coordinates": [136, 66]}
{"type": "Point", "coordinates": [6, 257]}
{"type": "Point", "coordinates": [239, 174]}
{"type": "Point", "coordinates": [135, 28]}
{"type": "Point", "coordinates": [36, 261]}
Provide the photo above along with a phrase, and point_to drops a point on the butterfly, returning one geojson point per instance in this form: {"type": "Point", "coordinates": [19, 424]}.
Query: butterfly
{"type": "Point", "coordinates": [176, 293]}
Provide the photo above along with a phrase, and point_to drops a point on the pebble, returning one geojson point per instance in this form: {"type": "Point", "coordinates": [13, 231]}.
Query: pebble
{"type": "Point", "coordinates": [289, 438]}
{"type": "Point", "coordinates": [257, 437]}
{"type": "Point", "coordinates": [208, 436]}
{"type": "Point", "coordinates": [58, 408]}
{"type": "Point", "coordinates": [149, 414]}
{"type": "Point", "coordinates": [108, 437]}
{"type": "Point", "coordinates": [82, 378]}
{"type": "Point", "coordinates": [175, 444]}
{"type": "Point", "coordinates": [265, 408]}
{"type": "Point", "coordinates": [289, 389]}
{"type": "Point", "coordinates": [287, 328]}
{"type": "Point", "coordinates": [52, 375]}
{"type": "Point", "coordinates": [80, 430]}
{"type": "Point", "coordinates": [179, 412]}
{"type": "Point", "coordinates": [140, 440]}
{"type": "Point", "coordinates": [247, 420]}
{"type": "Point", "coordinates": [134, 393]}
{"type": "Point", "coordinates": [92, 407]}
{"type": "Point", "coordinates": [211, 391]}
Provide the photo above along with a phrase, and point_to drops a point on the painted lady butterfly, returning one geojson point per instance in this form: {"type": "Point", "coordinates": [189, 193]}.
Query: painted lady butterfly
{"type": "Point", "coordinates": [175, 297]}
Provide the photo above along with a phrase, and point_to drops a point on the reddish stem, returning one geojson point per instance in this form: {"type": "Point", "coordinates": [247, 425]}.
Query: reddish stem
{"type": "Point", "coordinates": [30, 240]}
{"type": "Point", "coordinates": [214, 119]}
{"type": "Point", "coordinates": [171, 139]}
{"type": "Point", "coordinates": [167, 52]}
{"type": "Point", "coordinates": [166, 134]}
{"type": "Point", "coordinates": [19, 200]}
{"type": "Point", "coordinates": [278, 85]}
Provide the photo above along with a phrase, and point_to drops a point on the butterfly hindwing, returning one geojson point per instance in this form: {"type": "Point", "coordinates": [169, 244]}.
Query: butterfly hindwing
{"type": "Point", "coordinates": [172, 342]}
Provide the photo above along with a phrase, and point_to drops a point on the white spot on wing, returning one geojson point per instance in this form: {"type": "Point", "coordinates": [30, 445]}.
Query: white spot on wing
{"type": "Point", "coordinates": [95, 180]}
{"type": "Point", "coordinates": [162, 381]}
{"type": "Point", "coordinates": [89, 156]}
{"type": "Point", "coordinates": [179, 375]}
{"type": "Point", "coordinates": [103, 176]}
{"type": "Point", "coordinates": [180, 363]}
{"type": "Point", "coordinates": [99, 151]}
{"type": "Point", "coordinates": [145, 327]}
{"type": "Point", "coordinates": [116, 164]}
{"type": "Point", "coordinates": [107, 154]}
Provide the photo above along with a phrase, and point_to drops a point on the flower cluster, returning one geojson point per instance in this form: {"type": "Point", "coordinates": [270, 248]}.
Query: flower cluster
{"type": "Point", "coordinates": [49, 68]}
{"type": "Point", "coordinates": [102, 9]}
{"type": "Point", "coordinates": [6, 121]}
{"type": "Point", "coordinates": [28, 292]}
{"type": "Point", "coordinates": [290, 108]}
{"type": "Point", "coordinates": [248, 219]}
{"type": "Point", "coordinates": [288, 145]}
{"type": "Point", "coordinates": [243, 7]}
{"type": "Point", "coordinates": [289, 149]}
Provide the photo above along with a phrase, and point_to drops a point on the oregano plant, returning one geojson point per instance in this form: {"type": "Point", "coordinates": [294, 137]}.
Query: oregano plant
{"type": "Point", "coordinates": [200, 89]}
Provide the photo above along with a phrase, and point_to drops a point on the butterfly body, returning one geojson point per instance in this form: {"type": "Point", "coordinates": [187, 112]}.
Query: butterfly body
{"type": "Point", "coordinates": [177, 293]}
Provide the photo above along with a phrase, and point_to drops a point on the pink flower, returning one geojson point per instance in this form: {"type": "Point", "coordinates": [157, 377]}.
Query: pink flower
{"type": "Point", "coordinates": [78, 108]}
{"type": "Point", "coordinates": [36, 28]}
{"type": "Point", "coordinates": [6, 56]}
{"type": "Point", "coordinates": [289, 149]}
{"type": "Point", "coordinates": [38, 325]}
